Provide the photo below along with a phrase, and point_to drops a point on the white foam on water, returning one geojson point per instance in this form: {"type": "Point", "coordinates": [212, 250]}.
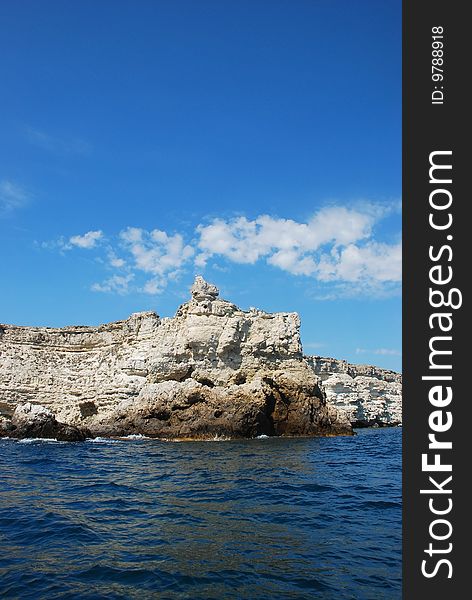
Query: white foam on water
{"type": "Point", "coordinates": [102, 440]}
{"type": "Point", "coordinates": [219, 438]}
{"type": "Point", "coordinates": [45, 440]}
{"type": "Point", "coordinates": [262, 437]}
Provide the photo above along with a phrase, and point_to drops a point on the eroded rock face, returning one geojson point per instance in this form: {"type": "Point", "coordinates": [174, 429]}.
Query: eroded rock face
{"type": "Point", "coordinates": [211, 370]}
{"type": "Point", "coordinates": [369, 395]}
{"type": "Point", "coordinates": [36, 421]}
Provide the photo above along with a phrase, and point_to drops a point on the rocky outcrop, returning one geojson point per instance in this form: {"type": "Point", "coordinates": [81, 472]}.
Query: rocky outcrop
{"type": "Point", "coordinates": [35, 421]}
{"type": "Point", "coordinates": [212, 370]}
{"type": "Point", "coordinates": [370, 396]}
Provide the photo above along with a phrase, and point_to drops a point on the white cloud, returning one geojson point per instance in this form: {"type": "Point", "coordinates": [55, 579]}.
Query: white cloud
{"type": "Point", "coordinates": [156, 252]}
{"type": "Point", "coordinates": [292, 261]}
{"type": "Point", "coordinates": [12, 196]}
{"type": "Point", "coordinates": [373, 261]}
{"type": "Point", "coordinates": [132, 234]}
{"type": "Point", "coordinates": [336, 248]}
{"type": "Point", "coordinates": [335, 245]}
{"type": "Point", "coordinates": [117, 262]}
{"type": "Point", "coordinates": [88, 240]}
{"type": "Point", "coordinates": [154, 286]}
{"type": "Point", "coordinates": [245, 241]}
{"type": "Point", "coordinates": [117, 283]}
{"type": "Point", "coordinates": [114, 260]}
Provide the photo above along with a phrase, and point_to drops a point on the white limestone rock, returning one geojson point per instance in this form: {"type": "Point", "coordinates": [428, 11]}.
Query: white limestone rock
{"type": "Point", "coordinates": [31, 413]}
{"type": "Point", "coordinates": [172, 377]}
{"type": "Point", "coordinates": [370, 396]}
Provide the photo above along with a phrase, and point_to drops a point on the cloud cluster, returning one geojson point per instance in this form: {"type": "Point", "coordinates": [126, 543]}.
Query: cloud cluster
{"type": "Point", "coordinates": [157, 254]}
{"type": "Point", "coordinates": [335, 245]}
{"type": "Point", "coordinates": [284, 241]}
{"type": "Point", "coordinates": [336, 248]}
{"type": "Point", "coordinates": [118, 284]}
{"type": "Point", "coordinates": [88, 240]}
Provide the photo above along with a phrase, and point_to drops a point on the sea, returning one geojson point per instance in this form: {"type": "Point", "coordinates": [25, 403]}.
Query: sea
{"type": "Point", "coordinates": [244, 519]}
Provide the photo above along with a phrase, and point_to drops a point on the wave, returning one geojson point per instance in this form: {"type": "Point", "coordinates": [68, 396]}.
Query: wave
{"type": "Point", "coordinates": [114, 440]}
{"type": "Point", "coordinates": [40, 440]}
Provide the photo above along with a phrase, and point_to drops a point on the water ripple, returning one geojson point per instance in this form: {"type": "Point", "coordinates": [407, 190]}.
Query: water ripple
{"type": "Point", "coordinates": [139, 518]}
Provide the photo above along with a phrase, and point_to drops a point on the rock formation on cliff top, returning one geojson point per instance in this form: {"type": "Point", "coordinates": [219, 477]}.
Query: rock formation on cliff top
{"type": "Point", "coordinates": [212, 370]}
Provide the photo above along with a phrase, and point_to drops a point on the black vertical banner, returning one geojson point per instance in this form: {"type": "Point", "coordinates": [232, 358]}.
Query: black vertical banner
{"type": "Point", "coordinates": [437, 402]}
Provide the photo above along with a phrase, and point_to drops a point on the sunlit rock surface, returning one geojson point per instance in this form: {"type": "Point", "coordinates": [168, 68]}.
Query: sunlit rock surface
{"type": "Point", "coordinates": [212, 370]}
{"type": "Point", "coordinates": [369, 395]}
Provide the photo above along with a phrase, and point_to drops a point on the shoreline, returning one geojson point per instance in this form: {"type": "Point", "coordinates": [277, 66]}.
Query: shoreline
{"type": "Point", "coordinates": [144, 438]}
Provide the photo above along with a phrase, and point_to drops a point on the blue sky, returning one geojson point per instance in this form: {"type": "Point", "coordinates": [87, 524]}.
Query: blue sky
{"type": "Point", "coordinates": [257, 143]}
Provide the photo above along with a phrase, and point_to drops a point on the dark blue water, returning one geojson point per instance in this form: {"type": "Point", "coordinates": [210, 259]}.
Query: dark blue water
{"type": "Point", "coordinates": [269, 518]}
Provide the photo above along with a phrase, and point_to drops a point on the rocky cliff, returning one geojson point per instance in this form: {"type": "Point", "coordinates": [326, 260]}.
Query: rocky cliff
{"type": "Point", "coordinates": [212, 370]}
{"type": "Point", "coordinates": [369, 395]}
